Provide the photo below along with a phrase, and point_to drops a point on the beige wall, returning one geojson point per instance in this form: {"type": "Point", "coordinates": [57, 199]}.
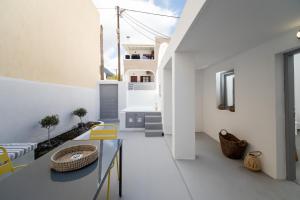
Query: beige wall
{"type": "Point", "coordinates": [138, 73]}
{"type": "Point", "coordinates": [140, 51]}
{"type": "Point", "coordinates": [148, 65]}
{"type": "Point", "coordinates": [51, 41]}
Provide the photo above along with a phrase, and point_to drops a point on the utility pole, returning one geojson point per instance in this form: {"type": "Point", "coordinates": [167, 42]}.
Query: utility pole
{"type": "Point", "coordinates": [118, 40]}
{"type": "Point", "coordinates": [101, 54]}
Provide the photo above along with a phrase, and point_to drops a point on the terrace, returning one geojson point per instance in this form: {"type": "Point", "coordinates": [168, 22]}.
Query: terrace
{"type": "Point", "coordinates": [231, 64]}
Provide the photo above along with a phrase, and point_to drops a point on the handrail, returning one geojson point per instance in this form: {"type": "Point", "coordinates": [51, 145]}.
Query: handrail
{"type": "Point", "coordinates": [141, 86]}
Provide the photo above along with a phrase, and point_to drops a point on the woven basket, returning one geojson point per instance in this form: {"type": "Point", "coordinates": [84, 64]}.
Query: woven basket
{"type": "Point", "coordinates": [73, 158]}
{"type": "Point", "coordinates": [252, 161]}
{"type": "Point", "coordinates": [231, 146]}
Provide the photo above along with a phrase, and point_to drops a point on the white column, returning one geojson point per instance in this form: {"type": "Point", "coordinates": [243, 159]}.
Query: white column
{"type": "Point", "coordinates": [167, 100]}
{"type": "Point", "coordinates": [183, 107]}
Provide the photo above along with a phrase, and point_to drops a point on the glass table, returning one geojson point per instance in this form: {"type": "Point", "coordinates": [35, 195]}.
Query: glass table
{"type": "Point", "coordinates": [38, 181]}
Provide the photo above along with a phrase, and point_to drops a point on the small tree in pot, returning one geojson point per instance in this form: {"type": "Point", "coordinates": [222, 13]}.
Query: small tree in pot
{"type": "Point", "coordinates": [80, 112]}
{"type": "Point", "coordinates": [48, 122]}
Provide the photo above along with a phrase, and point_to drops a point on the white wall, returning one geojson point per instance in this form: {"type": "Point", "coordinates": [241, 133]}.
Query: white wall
{"type": "Point", "coordinates": [297, 87]}
{"type": "Point", "coordinates": [167, 100]}
{"type": "Point", "coordinates": [139, 73]}
{"type": "Point", "coordinates": [24, 103]}
{"type": "Point", "coordinates": [259, 116]}
{"type": "Point", "coordinates": [199, 100]}
{"type": "Point", "coordinates": [183, 107]}
{"type": "Point", "coordinates": [122, 93]}
{"type": "Point", "coordinates": [188, 16]}
{"type": "Point", "coordinates": [142, 98]}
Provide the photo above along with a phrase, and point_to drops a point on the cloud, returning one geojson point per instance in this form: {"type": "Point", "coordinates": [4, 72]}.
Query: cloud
{"type": "Point", "coordinates": [108, 19]}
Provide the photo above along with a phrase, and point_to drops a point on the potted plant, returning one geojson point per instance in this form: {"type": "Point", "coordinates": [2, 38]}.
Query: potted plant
{"type": "Point", "coordinates": [80, 112]}
{"type": "Point", "coordinates": [48, 122]}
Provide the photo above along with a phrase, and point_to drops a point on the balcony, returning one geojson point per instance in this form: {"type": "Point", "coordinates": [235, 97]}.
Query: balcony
{"type": "Point", "coordinates": [139, 57]}
{"type": "Point", "coordinates": [141, 86]}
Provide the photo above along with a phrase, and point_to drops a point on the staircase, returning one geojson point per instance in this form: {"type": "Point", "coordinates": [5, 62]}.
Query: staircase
{"type": "Point", "coordinates": [153, 125]}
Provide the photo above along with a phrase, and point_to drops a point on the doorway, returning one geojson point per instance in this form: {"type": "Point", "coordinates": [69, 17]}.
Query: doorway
{"type": "Point", "coordinates": [133, 79]}
{"type": "Point", "coordinates": [145, 78]}
{"type": "Point", "coordinates": [292, 114]}
{"type": "Point", "coordinates": [109, 102]}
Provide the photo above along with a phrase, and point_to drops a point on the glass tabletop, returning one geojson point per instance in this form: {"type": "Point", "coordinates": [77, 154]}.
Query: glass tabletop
{"type": "Point", "coordinates": [38, 181]}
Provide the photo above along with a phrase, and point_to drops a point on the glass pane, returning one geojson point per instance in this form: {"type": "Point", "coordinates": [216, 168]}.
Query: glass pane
{"type": "Point", "coordinates": [230, 90]}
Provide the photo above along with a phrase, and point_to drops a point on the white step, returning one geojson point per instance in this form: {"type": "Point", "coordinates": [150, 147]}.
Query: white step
{"type": "Point", "coordinates": [153, 125]}
{"type": "Point", "coordinates": [154, 133]}
{"type": "Point", "coordinates": [152, 119]}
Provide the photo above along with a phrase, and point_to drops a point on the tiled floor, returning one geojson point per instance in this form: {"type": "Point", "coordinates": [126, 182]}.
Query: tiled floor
{"type": "Point", "coordinates": [150, 173]}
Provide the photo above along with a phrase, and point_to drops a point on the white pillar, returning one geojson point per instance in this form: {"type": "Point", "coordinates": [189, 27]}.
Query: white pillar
{"type": "Point", "coordinates": [167, 100]}
{"type": "Point", "coordinates": [183, 107]}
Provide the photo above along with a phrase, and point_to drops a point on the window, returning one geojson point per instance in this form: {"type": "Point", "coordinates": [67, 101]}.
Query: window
{"type": "Point", "coordinates": [226, 90]}
{"type": "Point", "coordinates": [145, 79]}
{"type": "Point", "coordinates": [148, 56]}
{"type": "Point", "coordinates": [135, 56]}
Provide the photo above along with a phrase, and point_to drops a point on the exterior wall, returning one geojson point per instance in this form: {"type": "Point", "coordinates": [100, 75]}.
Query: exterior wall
{"type": "Point", "coordinates": [189, 14]}
{"type": "Point", "coordinates": [259, 116]}
{"type": "Point", "coordinates": [157, 50]}
{"type": "Point", "coordinates": [160, 79]}
{"type": "Point", "coordinates": [167, 103]}
{"type": "Point", "coordinates": [199, 100]}
{"type": "Point", "coordinates": [297, 88]}
{"type": "Point", "coordinates": [143, 98]}
{"type": "Point", "coordinates": [138, 73]}
{"type": "Point", "coordinates": [150, 65]}
{"type": "Point", "coordinates": [183, 107]}
{"type": "Point", "coordinates": [25, 103]}
{"type": "Point", "coordinates": [50, 41]}
{"type": "Point", "coordinates": [49, 64]}
{"type": "Point", "coordinates": [122, 93]}
{"type": "Point", "coordinates": [140, 51]}
{"type": "Point", "coordinates": [147, 65]}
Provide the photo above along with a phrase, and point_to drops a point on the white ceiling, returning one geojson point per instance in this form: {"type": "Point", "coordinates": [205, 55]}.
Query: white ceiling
{"type": "Point", "coordinates": [224, 28]}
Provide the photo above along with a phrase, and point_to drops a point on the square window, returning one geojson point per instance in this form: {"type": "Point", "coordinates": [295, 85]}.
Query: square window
{"type": "Point", "coordinates": [226, 90]}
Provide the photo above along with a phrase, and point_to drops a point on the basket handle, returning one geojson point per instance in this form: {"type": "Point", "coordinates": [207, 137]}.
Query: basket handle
{"type": "Point", "coordinates": [223, 130]}
{"type": "Point", "coordinates": [255, 153]}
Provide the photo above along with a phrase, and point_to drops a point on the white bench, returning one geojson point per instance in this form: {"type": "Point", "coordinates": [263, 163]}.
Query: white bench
{"type": "Point", "coordinates": [18, 150]}
{"type": "Point", "coordinates": [19, 153]}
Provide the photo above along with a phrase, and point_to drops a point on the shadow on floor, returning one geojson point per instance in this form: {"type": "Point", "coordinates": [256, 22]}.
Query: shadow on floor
{"type": "Point", "coordinates": [150, 173]}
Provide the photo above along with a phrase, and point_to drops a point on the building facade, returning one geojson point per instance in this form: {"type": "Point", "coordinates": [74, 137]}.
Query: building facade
{"type": "Point", "coordinates": [140, 61]}
{"type": "Point", "coordinates": [49, 64]}
{"type": "Point", "coordinates": [213, 37]}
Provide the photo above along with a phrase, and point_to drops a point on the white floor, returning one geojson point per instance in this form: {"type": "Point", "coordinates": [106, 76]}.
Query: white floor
{"type": "Point", "coordinates": [150, 173]}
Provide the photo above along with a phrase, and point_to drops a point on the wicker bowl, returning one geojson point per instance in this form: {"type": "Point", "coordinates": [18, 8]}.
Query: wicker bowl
{"type": "Point", "coordinates": [73, 158]}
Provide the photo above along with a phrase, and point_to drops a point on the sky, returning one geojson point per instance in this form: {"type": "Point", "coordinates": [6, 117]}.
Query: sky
{"type": "Point", "coordinates": [129, 34]}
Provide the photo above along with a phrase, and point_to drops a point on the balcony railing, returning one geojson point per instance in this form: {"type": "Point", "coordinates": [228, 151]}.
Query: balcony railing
{"type": "Point", "coordinates": [139, 57]}
{"type": "Point", "coordinates": [141, 86]}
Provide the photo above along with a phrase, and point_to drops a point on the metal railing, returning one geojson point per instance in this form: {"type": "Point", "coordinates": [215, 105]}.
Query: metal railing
{"type": "Point", "coordinates": [141, 86]}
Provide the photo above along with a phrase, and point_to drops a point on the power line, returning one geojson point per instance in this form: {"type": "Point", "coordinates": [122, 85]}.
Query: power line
{"type": "Point", "coordinates": [141, 27]}
{"type": "Point", "coordinates": [144, 26]}
{"type": "Point", "coordinates": [140, 32]}
{"type": "Point", "coordinates": [150, 13]}
{"type": "Point", "coordinates": [139, 11]}
{"type": "Point", "coordinates": [146, 36]}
